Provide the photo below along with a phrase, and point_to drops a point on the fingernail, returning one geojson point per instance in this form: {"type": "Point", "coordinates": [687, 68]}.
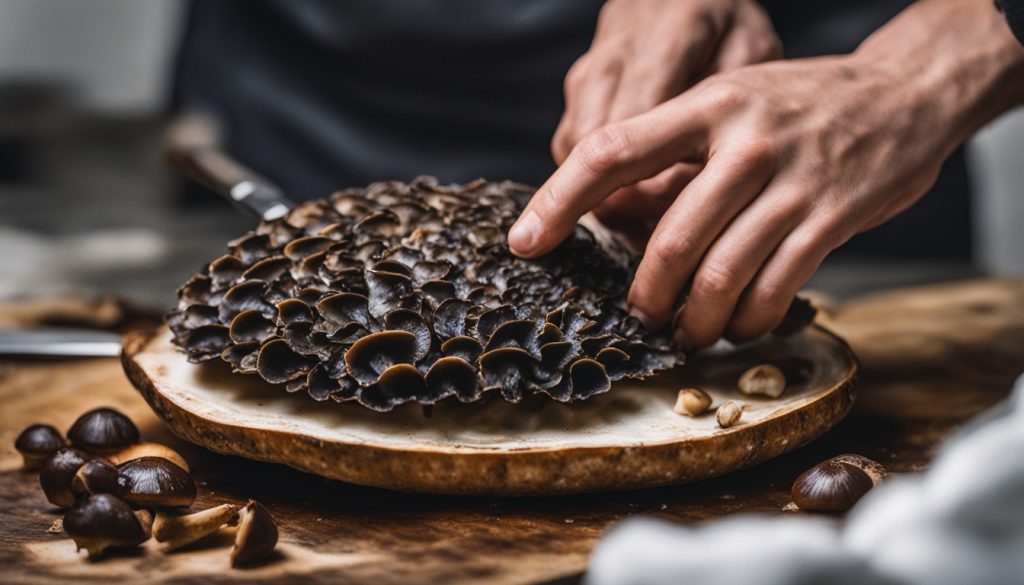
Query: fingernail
{"type": "Point", "coordinates": [525, 234]}
{"type": "Point", "coordinates": [638, 314]}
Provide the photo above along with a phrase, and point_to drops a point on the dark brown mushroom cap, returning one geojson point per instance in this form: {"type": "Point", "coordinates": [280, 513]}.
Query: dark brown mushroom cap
{"type": "Point", "coordinates": [103, 521]}
{"type": "Point", "coordinates": [155, 482]}
{"type": "Point", "coordinates": [97, 477]}
{"type": "Point", "coordinates": [256, 536]}
{"type": "Point", "coordinates": [401, 293]}
{"type": "Point", "coordinates": [37, 443]}
{"type": "Point", "coordinates": [103, 430]}
{"type": "Point", "coordinates": [58, 473]}
{"type": "Point", "coordinates": [830, 486]}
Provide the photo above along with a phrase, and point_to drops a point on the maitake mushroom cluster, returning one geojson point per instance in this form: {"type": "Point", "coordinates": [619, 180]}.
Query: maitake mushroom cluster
{"type": "Point", "coordinates": [402, 293]}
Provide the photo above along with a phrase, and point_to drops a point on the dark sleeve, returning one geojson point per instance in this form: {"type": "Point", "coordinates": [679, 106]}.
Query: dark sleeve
{"type": "Point", "coordinates": [1013, 10]}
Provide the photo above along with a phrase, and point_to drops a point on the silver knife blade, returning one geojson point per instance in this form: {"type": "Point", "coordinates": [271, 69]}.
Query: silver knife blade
{"type": "Point", "coordinates": [59, 342]}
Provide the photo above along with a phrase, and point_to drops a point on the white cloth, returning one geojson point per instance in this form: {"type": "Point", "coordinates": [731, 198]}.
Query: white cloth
{"type": "Point", "coordinates": [960, 523]}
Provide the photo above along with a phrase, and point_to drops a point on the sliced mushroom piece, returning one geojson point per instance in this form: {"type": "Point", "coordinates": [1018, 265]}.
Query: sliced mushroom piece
{"type": "Point", "coordinates": [411, 321]}
{"type": "Point", "coordinates": [256, 536]}
{"type": "Point", "coordinates": [37, 443]}
{"type": "Point", "coordinates": [491, 319]}
{"type": "Point", "coordinates": [507, 370]}
{"type": "Point", "coordinates": [516, 333]}
{"type": "Point", "coordinates": [398, 384]}
{"type": "Point", "coordinates": [293, 311]}
{"type": "Point", "coordinates": [196, 291]}
{"type": "Point", "coordinates": [386, 291]}
{"type": "Point", "coordinates": [453, 376]}
{"type": "Point", "coordinates": [343, 312]}
{"type": "Point", "coordinates": [226, 270]}
{"type": "Point", "coordinates": [367, 359]}
{"type": "Point", "coordinates": [268, 269]}
{"type": "Point", "coordinates": [250, 248]}
{"type": "Point", "coordinates": [178, 530]}
{"type": "Point", "coordinates": [450, 318]}
{"type": "Point", "coordinates": [391, 266]}
{"type": "Point", "coordinates": [103, 430]}
{"type": "Point", "coordinates": [461, 346]}
{"type": "Point", "coordinates": [251, 325]}
{"type": "Point", "coordinates": [588, 378]}
{"type": "Point", "coordinates": [320, 384]}
{"type": "Point", "coordinates": [436, 292]}
{"type": "Point", "coordinates": [382, 223]}
{"type": "Point", "coordinates": [103, 521]}
{"type": "Point", "coordinates": [427, 270]}
{"type": "Point", "coordinates": [206, 342]}
{"type": "Point", "coordinates": [277, 363]}
{"type": "Point", "coordinates": [245, 295]}
{"type": "Point", "coordinates": [297, 250]}
{"type": "Point", "coordinates": [242, 356]}
{"type": "Point", "coordinates": [615, 362]}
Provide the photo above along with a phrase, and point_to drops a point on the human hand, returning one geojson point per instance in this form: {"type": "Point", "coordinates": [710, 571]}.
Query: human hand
{"type": "Point", "coordinates": [796, 157]}
{"type": "Point", "coordinates": [646, 52]}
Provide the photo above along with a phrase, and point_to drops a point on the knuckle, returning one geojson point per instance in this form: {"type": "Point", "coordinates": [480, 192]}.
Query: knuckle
{"type": "Point", "coordinates": [724, 96]}
{"type": "Point", "coordinates": [771, 301]}
{"type": "Point", "coordinates": [758, 152]}
{"type": "Point", "coordinates": [605, 149]}
{"type": "Point", "coordinates": [668, 250]}
{"type": "Point", "coordinates": [574, 77]}
{"type": "Point", "coordinates": [716, 281]}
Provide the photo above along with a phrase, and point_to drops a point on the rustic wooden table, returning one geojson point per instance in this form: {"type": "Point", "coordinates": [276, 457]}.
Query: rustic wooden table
{"type": "Point", "coordinates": [931, 358]}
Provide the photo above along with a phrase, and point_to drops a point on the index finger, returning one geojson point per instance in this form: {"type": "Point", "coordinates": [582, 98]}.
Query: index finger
{"type": "Point", "coordinates": [613, 157]}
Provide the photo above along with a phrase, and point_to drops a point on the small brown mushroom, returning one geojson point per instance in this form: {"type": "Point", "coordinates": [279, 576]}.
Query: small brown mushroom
{"type": "Point", "coordinates": [256, 536]}
{"type": "Point", "coordinates": [148, 450]}
{"type": "Point", "coordinates": [765, 379]}
{"type": "Point", "coordinates": [96, 477]}
{"type": "Point", "coordinates": [692, 402]}
{"type": "Point", "coordinates": [103, 521]}
{"type": "Point", "coordinates": [37, 443]}
{"type": "Point", "coordinates": [155, 482]}
{"type": "Point", "coordinates": [57, 475]}
{"type": "Point", "coordinates": [176, 531]}
{"type": "Point", "coordinates": [728, 414]}
{"type": "Point", "coordinates": [837, 484]}
{"type": "Point", "coordinates": [103, 430]}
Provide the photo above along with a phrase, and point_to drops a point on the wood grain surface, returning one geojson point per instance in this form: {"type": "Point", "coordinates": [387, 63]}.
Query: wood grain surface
{"type": "Point", "coordinates": [931, 358]}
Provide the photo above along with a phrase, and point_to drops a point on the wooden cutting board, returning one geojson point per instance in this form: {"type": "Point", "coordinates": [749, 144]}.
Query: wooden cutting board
{"type": "Point", "coordinates": [930, 358]}
{"type": "Point", "coordinates": [626, 438]}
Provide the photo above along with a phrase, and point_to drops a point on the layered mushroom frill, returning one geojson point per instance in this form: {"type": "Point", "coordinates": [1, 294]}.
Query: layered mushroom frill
{"type": "Point", "coordinates": [403, 293]}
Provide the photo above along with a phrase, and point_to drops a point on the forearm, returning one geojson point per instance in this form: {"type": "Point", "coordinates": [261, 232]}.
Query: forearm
{"type": "Point", "coordinates": [958, 61]}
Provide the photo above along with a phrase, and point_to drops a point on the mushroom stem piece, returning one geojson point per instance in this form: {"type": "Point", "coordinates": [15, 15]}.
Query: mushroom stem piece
{"type": "Point", "coordinates": [178, 531]}
{"type": "Point", "coordinates": [692, 402]}
{"type": "Point", "coordinates": [256, 536]}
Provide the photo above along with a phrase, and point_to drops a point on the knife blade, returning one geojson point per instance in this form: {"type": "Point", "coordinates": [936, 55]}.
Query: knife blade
{"type": "Point", "coordinates": [214, 169]}
{"type": "Point", "coordinates": [59, 342]}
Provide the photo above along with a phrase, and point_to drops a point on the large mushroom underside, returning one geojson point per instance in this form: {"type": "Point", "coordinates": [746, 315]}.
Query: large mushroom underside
{"type": "Point", "coordinates": [403, 293]}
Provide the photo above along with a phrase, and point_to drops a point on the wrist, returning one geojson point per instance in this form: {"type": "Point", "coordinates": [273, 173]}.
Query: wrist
{"type": "Point", "coordinates": [955, 62]}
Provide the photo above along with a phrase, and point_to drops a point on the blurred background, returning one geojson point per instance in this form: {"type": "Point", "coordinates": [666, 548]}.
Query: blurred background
{"type": "Point", "coordinates": [88, 207]}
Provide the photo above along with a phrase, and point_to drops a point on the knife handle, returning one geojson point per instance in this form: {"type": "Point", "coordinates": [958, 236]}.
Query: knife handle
{"type": "Point", "coordinates": [192, 145]}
